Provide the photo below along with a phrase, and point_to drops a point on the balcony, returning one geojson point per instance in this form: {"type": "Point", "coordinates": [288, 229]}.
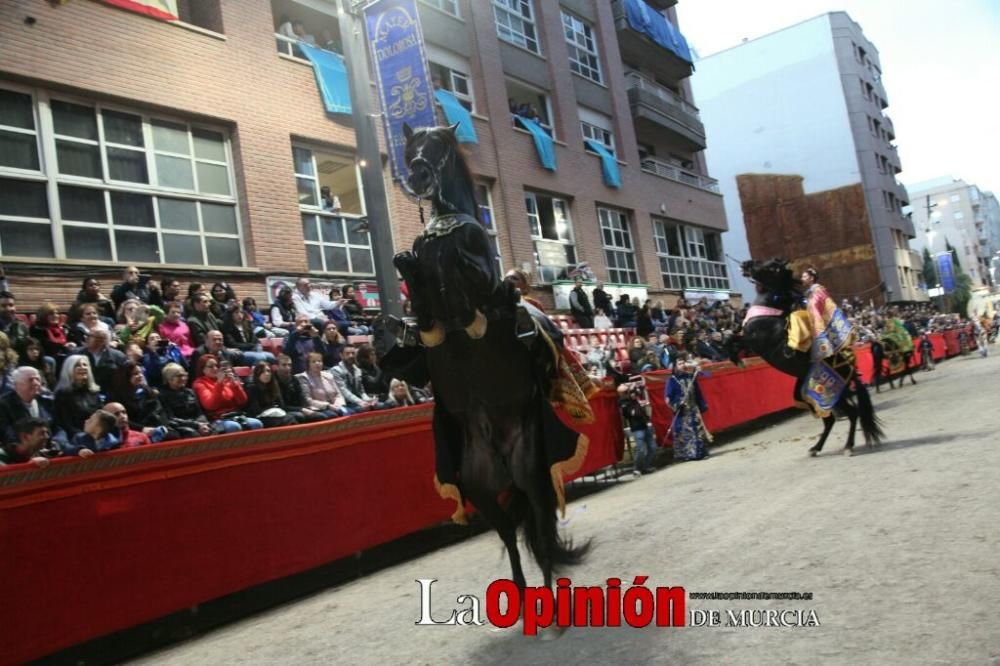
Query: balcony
{"type": "Point", "coordinates": [887, 124]}
{"type": "Point", "coordinates": [675, 173]}
{"type": "Point", "coordinates": [660, 108]}
{"type": "Point", "coordinates": [902, 194]}
{"type": "Point", "coordinates": [650, 40]}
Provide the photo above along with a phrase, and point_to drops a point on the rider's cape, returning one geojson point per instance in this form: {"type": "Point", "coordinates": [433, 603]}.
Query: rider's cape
{"type": "Point", "coordinates": [824, 331]}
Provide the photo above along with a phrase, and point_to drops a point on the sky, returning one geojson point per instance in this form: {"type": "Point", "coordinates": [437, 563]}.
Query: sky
{"type": "Point", "coordinates": [940, 68]}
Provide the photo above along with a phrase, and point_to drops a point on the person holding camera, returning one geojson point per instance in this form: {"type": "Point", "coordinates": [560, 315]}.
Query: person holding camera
{"type": "Point", "coordinates": [636, 414]}
{"type": "Point", "coordinates": [221, 394]}
{"type": "Point", "coordinates": [301, 342]}
{"type": "Point", "coordinates": [134, 285]}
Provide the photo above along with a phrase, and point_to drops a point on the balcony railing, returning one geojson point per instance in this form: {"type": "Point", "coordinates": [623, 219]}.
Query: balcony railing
{"type": "Point", "coordinates": [636, 80]}
{"type": "Point", "coordinates": [671, 172]}
{"type": "Point", "coordinates": [289, 47]}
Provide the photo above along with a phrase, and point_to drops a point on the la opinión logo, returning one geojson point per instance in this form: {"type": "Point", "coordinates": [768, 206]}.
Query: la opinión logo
{"type": "Point", "coordinates": [569, 606]}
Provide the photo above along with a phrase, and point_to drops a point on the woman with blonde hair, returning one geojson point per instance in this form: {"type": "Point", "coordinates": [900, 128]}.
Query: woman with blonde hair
{"type": "Point", "coordinates": [399, 394]}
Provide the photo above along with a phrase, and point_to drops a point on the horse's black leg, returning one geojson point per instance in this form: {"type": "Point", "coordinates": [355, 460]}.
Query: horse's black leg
{"type": "Point", "coordinates": [909, 369]}
{"type": "Point", "coordinates": [505, 524]}
{"type": "Point", "coordinates": [828, 422]}
{"type": "Point", "coordinates": [852, 415]}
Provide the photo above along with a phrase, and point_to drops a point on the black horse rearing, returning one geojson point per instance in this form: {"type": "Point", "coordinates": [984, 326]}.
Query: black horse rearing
{"type": "Point", "coordinates": [766, 333]}
{"type": "Point", "coordinates": [498, 440]}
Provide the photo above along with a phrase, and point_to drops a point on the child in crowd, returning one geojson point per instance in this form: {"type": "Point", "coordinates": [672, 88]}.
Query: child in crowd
{"type": "Point", "coordinates": [97, 436]}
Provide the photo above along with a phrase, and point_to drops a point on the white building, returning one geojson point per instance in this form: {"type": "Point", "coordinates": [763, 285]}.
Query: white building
{"type": "Point", "coordinates": [808, 100]}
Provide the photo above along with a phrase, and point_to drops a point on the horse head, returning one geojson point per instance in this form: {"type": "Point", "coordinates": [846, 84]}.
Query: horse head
{"type": "Point", "coordinates": [458, 280]}
{"type": "Point", "coordinates": [775, 278]}
{"type": "Point", "coordinates": [438, 171]}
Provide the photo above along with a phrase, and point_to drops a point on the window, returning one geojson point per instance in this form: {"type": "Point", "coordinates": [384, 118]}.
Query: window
{"type": "Point", "coordinates": [451, 72]}
{"type": "Point", "coordinates": [582, 46]}
{"type": "Point", "coordinates": [18, 132]}
{"type": "Point", "coordinates": [516, 23]}
{"type": "Point", "coordinates": [123, 187]}
{"type": "Point", "coordinates": [619, 253]}
{"type": "Point", "coordinates": [552, 232]}
{"type": "Point", "coordinates": [447, 6]}
{"type": "Point", "coordinates": [958, 215]}
{"type": "Point", "coordinates": [531, 103]}
{"type": "Point", "coordinates": [598, 127]}
{"type": "Point", "coordinates": [332, 206]}
{"type": "Point", "coordinates": [690, 257]}
{"type": "Point", "coordinates": [484, 201]}
{"type": "Point", "coordinates": [955, 198]}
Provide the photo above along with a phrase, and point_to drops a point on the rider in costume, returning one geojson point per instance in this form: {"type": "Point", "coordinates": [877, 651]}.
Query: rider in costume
{"type": "Point", "coordinates": [832, 336]}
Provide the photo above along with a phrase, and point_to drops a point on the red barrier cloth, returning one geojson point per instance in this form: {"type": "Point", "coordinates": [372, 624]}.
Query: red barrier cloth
{"type": "Point", "coordinates": [97, 545]}
{"type": "Point", "coordinates": [951, 346]}
{"type": "Point", "coordinates": [734, 395]}
{"type": "Point", "coordinates": [606, 434]}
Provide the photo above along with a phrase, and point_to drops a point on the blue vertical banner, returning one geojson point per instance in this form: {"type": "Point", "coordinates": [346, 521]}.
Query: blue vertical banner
{"type": "Point", "coordinates": [404, 86]}
{"type": "Point", "coordinates": [946, 271]}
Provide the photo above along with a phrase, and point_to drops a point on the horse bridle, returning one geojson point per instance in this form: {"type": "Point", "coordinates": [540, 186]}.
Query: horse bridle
{"type": "Point", "coordinates": [435, 170]}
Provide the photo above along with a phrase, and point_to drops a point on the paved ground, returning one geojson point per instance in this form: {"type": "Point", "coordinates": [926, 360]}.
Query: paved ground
{"type": "Point", "coordinates": [898, 545]}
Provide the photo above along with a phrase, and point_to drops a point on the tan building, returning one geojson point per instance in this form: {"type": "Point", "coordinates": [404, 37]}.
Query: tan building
{"type": "Point", "coordinates": [198, 148]}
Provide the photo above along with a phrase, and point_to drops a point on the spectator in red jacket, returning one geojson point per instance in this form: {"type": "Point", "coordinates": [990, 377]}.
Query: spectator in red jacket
{"type": "Point", "coordinates": [221, 394]}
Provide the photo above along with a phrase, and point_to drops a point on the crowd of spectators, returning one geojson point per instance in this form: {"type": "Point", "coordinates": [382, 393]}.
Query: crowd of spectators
{"type": "Point", "coordinates": [153, 363]}
{"type": "Point", "coordinates": [149, 364]}
{"type": "Point", "coordinates": [703, 328]}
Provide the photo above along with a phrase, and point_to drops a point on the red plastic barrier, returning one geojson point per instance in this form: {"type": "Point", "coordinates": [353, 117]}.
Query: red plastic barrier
{"type": "Point", "coordinates": [97, 545]}
{"type": "Point", "coordinates": [734, 395]}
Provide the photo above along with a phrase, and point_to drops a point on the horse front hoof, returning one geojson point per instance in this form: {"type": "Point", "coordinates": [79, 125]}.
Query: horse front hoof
{"type": "Point", "coordinates": [848, 453]}
{"type": "Point", "coordinates": [434, 336]}
{"type": "Point", "coordinates": [813, 452]}
{"type": "Point", "coordinates": [477, 329]}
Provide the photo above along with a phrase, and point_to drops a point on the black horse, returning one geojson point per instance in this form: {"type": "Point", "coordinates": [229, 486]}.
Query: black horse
{"type": "Point", "coordinates": [765, 332]}
{"type": "Point", "coordinates": [886, 355]}
{"type": "Point", "coordinates": [497, 436]}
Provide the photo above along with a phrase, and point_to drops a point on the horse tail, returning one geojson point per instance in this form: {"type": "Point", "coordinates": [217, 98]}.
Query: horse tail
{"type": "Point", "coordinates": [871, 425]}
{"type": "Point", "coordinates": [541, 534]}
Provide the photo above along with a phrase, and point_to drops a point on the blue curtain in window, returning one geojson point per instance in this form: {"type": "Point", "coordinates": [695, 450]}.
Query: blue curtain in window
{"type": "Point", "coordinates": [609, 165]}
{"type": "Point", "coordinates": [454, 112]}
{"type": "Point", "coordinates": [648, 21]}
{"type": "Point", "coordinates": [543, 142]}
{"type": "Point", "coordinates": [331, 77]}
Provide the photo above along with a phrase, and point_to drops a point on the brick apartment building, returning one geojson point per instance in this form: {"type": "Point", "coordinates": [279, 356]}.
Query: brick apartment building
{"type": "Point", "coordinates": [197, 148]}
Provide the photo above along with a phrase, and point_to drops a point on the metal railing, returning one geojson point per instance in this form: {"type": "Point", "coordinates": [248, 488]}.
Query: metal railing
{"type": "Point", "coordinates": [636, 80]}
{"type": "Point", "coordinates": [675, 173]}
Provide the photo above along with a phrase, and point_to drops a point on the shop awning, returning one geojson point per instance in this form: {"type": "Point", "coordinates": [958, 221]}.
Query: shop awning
{"type": "Point", "coordinates": [454, 112]}
{"type": "Point", "coordinates": [331, 77]}
{"type": "Point", "coordinates": [543, 142]}
{"type": "Point", "coordinates": [609, 165]}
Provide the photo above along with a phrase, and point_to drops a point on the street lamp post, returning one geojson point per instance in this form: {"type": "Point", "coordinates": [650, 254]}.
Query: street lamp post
{"type": "Point", "coordinates": [352, 36]}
